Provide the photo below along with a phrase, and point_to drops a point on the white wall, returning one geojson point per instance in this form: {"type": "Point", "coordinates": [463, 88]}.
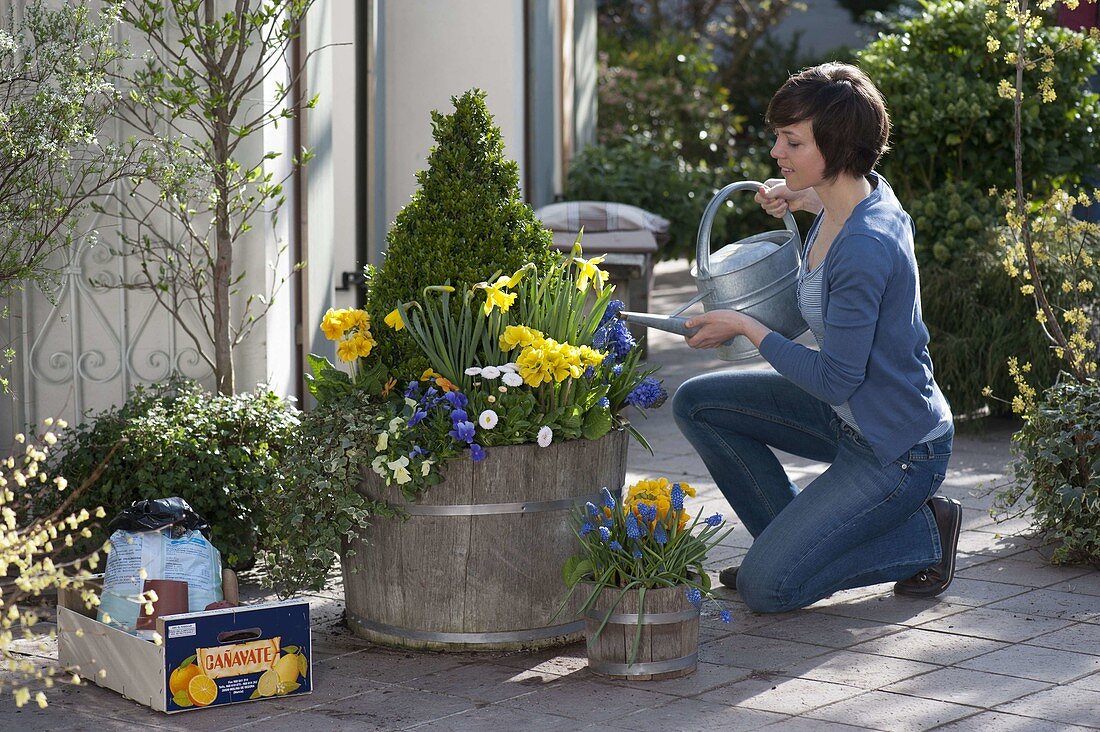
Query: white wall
{"type": "Point", "coordinates": [430, 51]}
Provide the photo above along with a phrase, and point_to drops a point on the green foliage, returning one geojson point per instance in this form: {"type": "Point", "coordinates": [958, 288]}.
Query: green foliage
{"type": "Point", "coordinates": [318, 507]}
{"type": "Point", "coordinates": [57, 92]}
{"type": "Point", "coordinates": [466, 221]}
{"type": "Point", "coordinates": [952, 142]}
{"type": "Point", "coordinates": [666, 92]}
{"type": "Point", "coordinates": [949, 122]}
{"type": "Point", "coordinates": [222, 454]}
{"type": "Point", "coordinates": [1057, 470]}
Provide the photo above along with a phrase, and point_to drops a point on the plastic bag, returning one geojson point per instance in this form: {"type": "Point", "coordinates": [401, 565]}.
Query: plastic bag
{"type": "Point", "coordinates": [165, 538]}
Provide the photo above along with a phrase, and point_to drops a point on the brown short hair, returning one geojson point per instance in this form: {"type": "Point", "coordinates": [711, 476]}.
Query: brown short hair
{"type": "Point", "coordinates": [850, 123]}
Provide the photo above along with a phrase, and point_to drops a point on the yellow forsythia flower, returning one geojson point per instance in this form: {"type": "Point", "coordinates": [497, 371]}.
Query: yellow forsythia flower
{"type": "Point", "coordinates": [394, 320]}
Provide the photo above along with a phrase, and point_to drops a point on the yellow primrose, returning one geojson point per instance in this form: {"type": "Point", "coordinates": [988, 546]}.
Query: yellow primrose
{"type": "Point", "coordinates": [532, 367]}
{"type": "Point", "coordinates": [333, 325]}
{"type": "Point", "coordinates": [394, 320]}
{"type": "Point", "coordinates": [518, 335]}
{"type": "Point", "coordinates": [590, 271]}
{"type": "Point", "coordinates": [347, 351]}
{"type": "Point", "coordinates": [591, 357]}
{"type": "Point", "coordinates": [363, 343]}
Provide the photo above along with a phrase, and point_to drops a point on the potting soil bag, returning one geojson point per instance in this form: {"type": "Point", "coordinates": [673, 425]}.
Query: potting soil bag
{"type": "Point", "coordinates": [178, 551]}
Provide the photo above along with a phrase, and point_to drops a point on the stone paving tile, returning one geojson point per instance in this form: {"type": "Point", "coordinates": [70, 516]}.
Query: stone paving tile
{"type": "Point", "coordinates": [1000, 625]}
{"type": "Point", "coordinates": [1087, 583]}
{"type": "Point", "coordinates": [834, 631]}
{"type": "Point", "coordinates": [909, 611]}
{"type": "Point", "coordinates": [386, 709]}
{"type": "Point", "coordinates": [567, 661]}
{"type": "Point", "coordinates": [1017, 572]}
{"type": "Point", "coordinates": [1066, 704]}
{"type": "Point", "coordinates": [892, 712]}
{"type": "Point", "coordinates": [1092, 683]}
{"type": "Point", "coordinates": [692, 715]}
{"type": "Point", "coordinates": [1040, 664]}
{"type": "Point", "coordinates": [495, 718]}
{"type": "Point", "coordinates": [917, 644]}
{"type": "Point", "coordinates": [482, 682]}
{"type": "Point", "coordinates": [588, 700]}
{"type": "Point", "coordinates": [965, 561]}
{"type": "Point", "coordinates": [1002, 722]}
{"type": "Point", "coordinates": [962, 686]}
{"type": "Point", "coordinates": [318, 721]}
{"type": "Point", "coordinates": [780, 694]}
{"type": "Point", "coordinates": [803, 724]}
{"type": "Point", "coordinates": [980, 542]}
{"type": "Point", "coordinates": [857, 669]}
{"type": "Point", "coordinates": [386, 666]}
{"type": "Point", "coordinates": [1053, 604]}
{"type": "Point", "coordinates": [976, 593]}
{"type": "Point", "coordinates": [762, 654]}
{"type": "Point", "coordinates": [707, 676]}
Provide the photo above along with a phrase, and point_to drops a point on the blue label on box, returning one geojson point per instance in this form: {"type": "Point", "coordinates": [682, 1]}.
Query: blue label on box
{"type": "Point", "coordinates": [237, 655]}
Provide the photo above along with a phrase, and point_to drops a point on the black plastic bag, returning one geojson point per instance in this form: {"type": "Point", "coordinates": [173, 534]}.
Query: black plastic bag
{"type": "Point", "coordinates": [160, 513]}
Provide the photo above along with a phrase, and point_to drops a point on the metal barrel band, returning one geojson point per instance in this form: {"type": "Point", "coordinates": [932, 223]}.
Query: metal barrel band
{"type": "Point", "coordinates": [506, 636]}
{"type": "Point", "coordinates": [489, 509]}
{"type": "Point", "coordinates": [647, 619]}
{"type": "Point", "coordinates": [645, 667]}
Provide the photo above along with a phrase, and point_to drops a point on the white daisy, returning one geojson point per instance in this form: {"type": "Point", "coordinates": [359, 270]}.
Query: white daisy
{"type": "Point", "coordinates": [546, 436]}
{"type": "Point", "coordinates": [488, 419]}
{"type": "Point", "coordinates": [490, 372]}
{"type": "Point", "coordinates": [511, 378]}
{"type": "Point", "coordinates": [473, 371]}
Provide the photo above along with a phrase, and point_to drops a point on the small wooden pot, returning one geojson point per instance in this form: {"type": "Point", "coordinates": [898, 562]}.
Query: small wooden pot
{"type": "Point", "coordinates": [669, 645]}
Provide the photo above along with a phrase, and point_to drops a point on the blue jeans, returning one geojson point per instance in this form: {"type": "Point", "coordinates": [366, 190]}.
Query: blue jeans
{"type": "Point", "coordinates": [856, 524]}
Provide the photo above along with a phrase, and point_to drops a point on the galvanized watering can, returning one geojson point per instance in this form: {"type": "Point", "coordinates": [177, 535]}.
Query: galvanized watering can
{"type": "Point", "coordinates": [757, 276]}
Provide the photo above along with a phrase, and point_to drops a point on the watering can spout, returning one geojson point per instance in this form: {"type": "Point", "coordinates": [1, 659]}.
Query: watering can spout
{"type": "Point", "coordinates": [671, 323]}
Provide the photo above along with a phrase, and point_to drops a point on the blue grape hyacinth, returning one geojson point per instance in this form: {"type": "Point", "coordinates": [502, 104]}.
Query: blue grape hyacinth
{"type": "Point", "coordinates": [714, 520]}
{"type": "Point", "coordinates": [648, 394]}
{"type": "Point", "coordinates": [608, 499]}
{"type": "Point", "coordinates": [676, 497]}
{"type": "Point", "coordinates": [694, 596]}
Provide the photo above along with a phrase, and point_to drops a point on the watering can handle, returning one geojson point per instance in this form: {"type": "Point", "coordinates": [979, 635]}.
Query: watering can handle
{"type": "Point", "coordinates": [702, 242]}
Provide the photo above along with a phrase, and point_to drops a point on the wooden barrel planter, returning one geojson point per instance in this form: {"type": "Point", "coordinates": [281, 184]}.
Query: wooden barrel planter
{"type": "Point", "coordinates": [477, 564]}
{"type": "Point", "coordinates": [669, 645]}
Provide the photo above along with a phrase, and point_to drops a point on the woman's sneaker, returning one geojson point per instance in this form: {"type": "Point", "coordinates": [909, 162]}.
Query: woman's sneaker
{"type": "Point", "coordinates": [934, 580]}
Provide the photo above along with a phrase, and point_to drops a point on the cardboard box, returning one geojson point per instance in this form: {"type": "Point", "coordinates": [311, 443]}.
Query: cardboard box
{"type": "Point", "coordinates": [205, 659]}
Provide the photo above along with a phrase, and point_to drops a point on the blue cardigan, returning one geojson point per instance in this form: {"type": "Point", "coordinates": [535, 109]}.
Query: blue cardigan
{"type": "Point", "coordinates": [875, 350]}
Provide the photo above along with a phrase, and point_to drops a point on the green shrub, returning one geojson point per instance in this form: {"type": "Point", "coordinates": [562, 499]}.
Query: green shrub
{"type": "Point", "coordinates": [1057, 470]}
{"type": "Point", "coordinates": [952, 142]}
{"type": "Point", "coordinates": [318, 507]}
{"type": "Point", "coordinates": [666, 93]}
{"type": "Point", "coordinates": [219, 453]}
{"type": "Point", "coordinates": [949, 122]}
{"type": "Point", "coordinates": [466, 221]}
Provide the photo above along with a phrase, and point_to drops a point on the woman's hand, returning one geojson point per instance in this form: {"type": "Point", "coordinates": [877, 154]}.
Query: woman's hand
{"type": "Point", "coordinates": [776, 198]}
{"type": "Point", "coordinates": [718, 326]}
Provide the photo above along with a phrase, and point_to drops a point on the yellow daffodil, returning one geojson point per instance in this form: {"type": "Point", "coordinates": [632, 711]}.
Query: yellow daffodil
{"type": "Point", "coordinates": [394, 320]}
{"type": "Point", "coordinates": [495, 296]}
{"type": "Point", "coordinates": [590, 271]}
{"type": "Point", "coordinates": [516, 278]}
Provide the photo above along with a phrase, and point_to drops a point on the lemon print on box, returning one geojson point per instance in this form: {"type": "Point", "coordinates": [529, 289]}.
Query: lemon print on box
{"type": "Point", "coordinates": [283, 677]}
